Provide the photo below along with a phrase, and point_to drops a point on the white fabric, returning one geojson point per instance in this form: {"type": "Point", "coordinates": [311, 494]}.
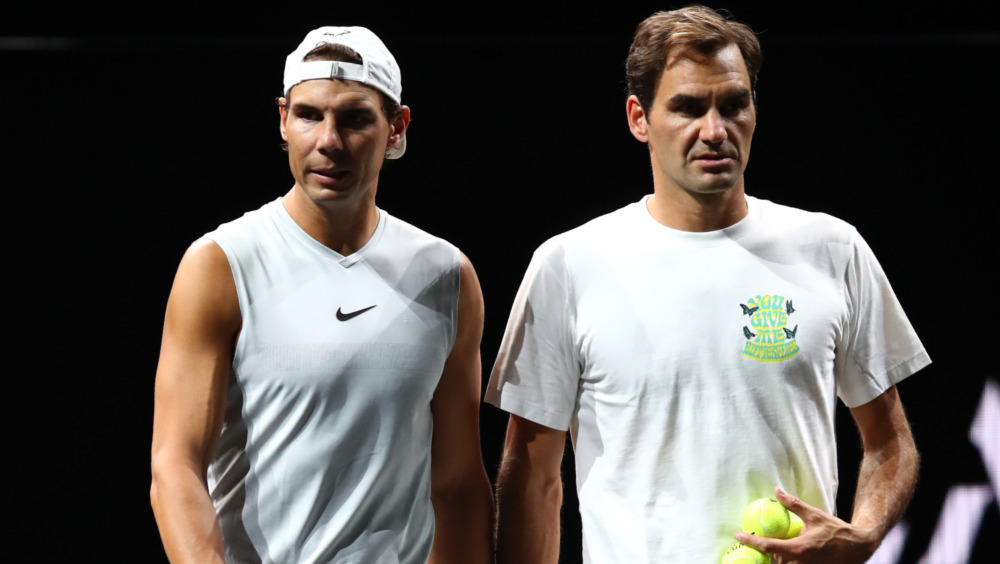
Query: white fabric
{"type": "Point", "coordinates": [325, 449]}
{"type": "Point", "coordinates": [378, 69]}
{"type": "Point", "coordinates": [314, 70]}
{"type": "Point", "coordinates": [631, 335]}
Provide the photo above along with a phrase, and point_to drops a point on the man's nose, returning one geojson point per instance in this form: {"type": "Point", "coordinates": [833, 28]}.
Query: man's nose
{"type": "Point", "coordinates": [713, 127]}
{"type": "Point", "coordinates": [328, 137]}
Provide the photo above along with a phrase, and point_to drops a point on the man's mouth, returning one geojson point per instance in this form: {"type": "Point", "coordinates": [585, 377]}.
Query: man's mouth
{"type": "Point", "coordinates": [714, 159]}
{"type": "Point", "coordinates": [331, 173]}
{"type": "Point", "coordinates": [713, 156]}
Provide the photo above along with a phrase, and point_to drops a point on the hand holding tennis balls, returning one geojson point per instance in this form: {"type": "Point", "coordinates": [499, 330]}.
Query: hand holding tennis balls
{"type": "Point", "coordinates": [810, 534]}
{"type": "Point", "coordinates": [766, 517]}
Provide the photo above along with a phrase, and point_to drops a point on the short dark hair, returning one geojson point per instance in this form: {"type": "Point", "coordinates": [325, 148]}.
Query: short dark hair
{"type": "Point", "coordinates": [693, 27]}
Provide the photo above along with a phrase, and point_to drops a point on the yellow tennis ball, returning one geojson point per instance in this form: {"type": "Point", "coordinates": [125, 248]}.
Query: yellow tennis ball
{"type": "Point", "coordinates": [794, 525]}
{"type": "Point", "coordinates": [766, 518]}
{"type": "Point", "coordinates": [740, 553]}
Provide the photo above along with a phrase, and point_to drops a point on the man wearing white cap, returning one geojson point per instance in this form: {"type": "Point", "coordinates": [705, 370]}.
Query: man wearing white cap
{"type": "Point", "coordinates": [317, 393]}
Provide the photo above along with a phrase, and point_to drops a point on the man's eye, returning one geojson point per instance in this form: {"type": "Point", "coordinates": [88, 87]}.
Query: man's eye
{"type": "Point", "coordinates": [357, 119]}
{"type": "Point", "coordinates": [733, 109]}
{"type": "Point", "coordinates": [691, 109]}
{"type": "Point", "coordinates": [734, 106]}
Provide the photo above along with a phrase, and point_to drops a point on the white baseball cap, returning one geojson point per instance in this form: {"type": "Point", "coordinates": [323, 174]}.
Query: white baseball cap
{"type": "Point", "coordinates": [378, 67]}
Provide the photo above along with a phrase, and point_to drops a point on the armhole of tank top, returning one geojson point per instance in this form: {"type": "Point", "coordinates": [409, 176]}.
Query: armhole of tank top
{"type": "Point", "coordinates": [240, 297]}
{"type": "Point", "coordinates": [457, 276]}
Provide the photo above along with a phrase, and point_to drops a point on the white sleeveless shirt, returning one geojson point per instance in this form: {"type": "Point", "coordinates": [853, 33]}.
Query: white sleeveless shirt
{"type": "Point", "coordinates": [325, 450]}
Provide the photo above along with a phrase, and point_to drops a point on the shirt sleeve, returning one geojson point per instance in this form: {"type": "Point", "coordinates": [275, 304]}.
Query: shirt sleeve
{"type": "Point", "coordinates": [536, 374]}
{"type": "Point", "coordinates": [878, 347]}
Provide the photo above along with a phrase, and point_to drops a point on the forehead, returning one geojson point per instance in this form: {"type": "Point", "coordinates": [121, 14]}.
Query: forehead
{"type": "Point", "coordinates": [690, 72]}
{"type": "Point", "coordinates": [333, 92]}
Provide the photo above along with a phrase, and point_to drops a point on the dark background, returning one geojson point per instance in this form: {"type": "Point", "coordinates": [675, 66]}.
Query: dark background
{"type": "Point", "coordinates": [130, 134]}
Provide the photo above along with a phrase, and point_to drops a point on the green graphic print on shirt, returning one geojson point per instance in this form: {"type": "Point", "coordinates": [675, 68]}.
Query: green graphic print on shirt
{"type": "Point", "coordinates": [769, 338]}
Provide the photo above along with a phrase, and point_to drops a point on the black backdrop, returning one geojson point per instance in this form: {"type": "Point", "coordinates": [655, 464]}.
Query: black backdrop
{"type": "Point", "coordinates": [129, 134]}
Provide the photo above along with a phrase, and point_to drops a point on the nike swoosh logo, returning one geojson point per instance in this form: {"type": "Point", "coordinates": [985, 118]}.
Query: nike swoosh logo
{"type": "Point", "coordinates": [341, 316]}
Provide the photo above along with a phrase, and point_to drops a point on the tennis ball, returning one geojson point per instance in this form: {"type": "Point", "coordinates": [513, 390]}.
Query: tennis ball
{"type": "Point", "coordinates": [740, 553]}
{"type": "Point", "coordinates": [766, 518]}
{"type": "Point", "coordinates": [794, 525]}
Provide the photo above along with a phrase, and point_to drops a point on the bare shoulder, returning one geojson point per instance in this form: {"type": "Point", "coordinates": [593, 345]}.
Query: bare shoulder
{"type": "Point", "coordinates": [466, 264]}
{"type": "Point", "coordinates": [470, 292]}
{"type": "Point", "coordinates": [204, 285]}
{"type": "Point", "coordinates": [205, 259]}
{"type": "Point", "coordinates": [202, 319]}
{"type": "Point", "coordinates": [470, 312]}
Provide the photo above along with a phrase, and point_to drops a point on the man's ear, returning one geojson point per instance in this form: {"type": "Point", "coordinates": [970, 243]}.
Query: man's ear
{"type": "Point", "coordinates": [636, 119]}
{"type": "Point", "coordinates": [283, 112]}
{"type": "Point", "coordinates": [398, 126]}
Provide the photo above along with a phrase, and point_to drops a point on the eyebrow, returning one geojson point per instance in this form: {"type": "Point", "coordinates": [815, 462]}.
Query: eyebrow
{"type": "Point", "coordinates": [301, 106]}
{"type": "Point", "coordinates": [681, 99]}
{"type": "Point", "coordinates": [741, 93]}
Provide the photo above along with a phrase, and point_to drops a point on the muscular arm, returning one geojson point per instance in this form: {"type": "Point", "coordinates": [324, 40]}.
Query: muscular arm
{"type": "Point", "coordinates": [460, 489]}
{"type": "Point", "coordinates": [529, 493]}
{"type": "Point", "coordinates": [889, 466]}
{"type": "Point", "coordinates": [886, 481]}
{"type": "Point", "coordinates": [199, 330]}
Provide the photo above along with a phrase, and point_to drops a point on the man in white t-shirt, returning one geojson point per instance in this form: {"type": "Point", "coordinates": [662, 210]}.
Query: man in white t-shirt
{"type": "Point", "coordinates": [695, 344]}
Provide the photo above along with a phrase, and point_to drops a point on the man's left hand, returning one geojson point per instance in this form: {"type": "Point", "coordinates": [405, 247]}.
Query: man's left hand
{"type": "Point", "coordinates": [824, 538]}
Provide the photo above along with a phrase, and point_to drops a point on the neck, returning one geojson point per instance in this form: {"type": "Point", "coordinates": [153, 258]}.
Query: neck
{"type": "Point", "coordinates": [344, 227]}
{"type": "Point", "coordinates": [691, 211]}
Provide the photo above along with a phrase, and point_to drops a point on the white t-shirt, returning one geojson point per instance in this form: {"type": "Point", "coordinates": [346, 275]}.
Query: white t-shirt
{"type": "Point", "coordinates": [696, 371]}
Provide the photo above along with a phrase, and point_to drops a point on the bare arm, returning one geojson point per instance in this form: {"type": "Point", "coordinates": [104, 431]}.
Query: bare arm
{"type": "Point", "coordinates": [886, 481]}
{"type": "Point", "coordinates": [889, 467]}
{"type": "Point", "coordinates": [529, 493]}
{"type": "Point", "coordinates": [199, 330]}
{"type": "Point", "coordinates": [460, 488]}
